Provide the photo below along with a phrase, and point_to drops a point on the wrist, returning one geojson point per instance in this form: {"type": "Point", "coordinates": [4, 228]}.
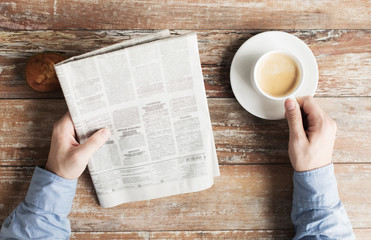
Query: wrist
{"type": "Point", "coordinates": [309, 167]}
{"type": "Point", "coordinates": [49, 168]}
{"type": "Point", "coordinates": [54, 170]}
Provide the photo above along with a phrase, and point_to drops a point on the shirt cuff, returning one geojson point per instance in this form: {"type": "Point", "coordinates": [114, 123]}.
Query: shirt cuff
{"type": "Point", "coordinates": [50, 192]}
{"type": "Point", "coordinates": [316, 188]}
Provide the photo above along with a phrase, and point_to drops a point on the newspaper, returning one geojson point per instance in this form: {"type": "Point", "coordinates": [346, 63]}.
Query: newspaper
{"type": "Point", "coordinates": [150, 93]}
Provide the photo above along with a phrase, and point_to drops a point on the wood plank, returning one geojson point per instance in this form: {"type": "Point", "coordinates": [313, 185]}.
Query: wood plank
{"type": "Point", "coordinates": [244, 197]}
{"type": "Point", "coordinates": [236, 234]}
{"type": "Point", "coordinates": [188, 235]}
{"type": "Point", "coordinates": [243, 138]}
{"type": "Point", "coordinates": [26, 127]}
{"type": "Point", "coordinates": [343, 57]}
{"type": "Point", "coordinates": [110, 235]}
{"type": "Point", "coordinates": [188, 14]}
{"type": "Point", "coordinates": [336, 52]}
{"type": "Point", "coordinates": [361, 234]}
{"type": "Point", "coordinates": [240, 137]}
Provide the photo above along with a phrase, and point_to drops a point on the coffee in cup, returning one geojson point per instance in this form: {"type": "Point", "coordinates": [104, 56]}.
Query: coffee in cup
{"type": "Point", "coordinates": [277, 74]}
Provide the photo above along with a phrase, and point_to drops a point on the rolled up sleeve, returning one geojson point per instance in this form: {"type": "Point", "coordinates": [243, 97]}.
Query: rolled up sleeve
{"type": "Point", "coordinates": [43, 214]}
{"type": "Point", "coordinates": [317, 212]}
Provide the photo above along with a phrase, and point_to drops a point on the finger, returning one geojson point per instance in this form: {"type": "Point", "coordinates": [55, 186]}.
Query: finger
{"type": "Point", "coordinates": [94, 142]}
{"type": "Point", "coordinates": [64, 129]}
{"type": "Point", "coordinates": [65, 124]}
{"type": "Point", "coordinates": [66, 119]}
{"type": "Point", "coordinates": [311, 109]}
{"type": "Point", "coordinates": [294, 119]}
{"type": "Point", "coordinates": [310, 106]}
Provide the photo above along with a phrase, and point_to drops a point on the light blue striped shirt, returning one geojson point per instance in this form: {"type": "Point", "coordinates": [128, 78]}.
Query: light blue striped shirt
{"type": "Point", "coordinates": [317, 212]}
{"type": "Point", "coordinates": [43, 214]}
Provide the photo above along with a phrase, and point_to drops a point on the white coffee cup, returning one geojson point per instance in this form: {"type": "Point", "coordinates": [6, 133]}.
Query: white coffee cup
{"type": "Point", "coordinates": [277, 75]}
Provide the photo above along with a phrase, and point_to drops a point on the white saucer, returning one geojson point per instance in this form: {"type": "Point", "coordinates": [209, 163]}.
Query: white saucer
{"type": "Point", "coordinates": [248, 54]}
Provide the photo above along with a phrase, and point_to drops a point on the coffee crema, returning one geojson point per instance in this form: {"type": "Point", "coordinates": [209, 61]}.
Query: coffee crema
{"type": "Point", "coordinates": [278, 74]}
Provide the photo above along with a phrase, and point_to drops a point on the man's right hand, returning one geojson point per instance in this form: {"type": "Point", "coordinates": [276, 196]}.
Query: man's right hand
{"type": "Point", "coordinates": [310, 147]}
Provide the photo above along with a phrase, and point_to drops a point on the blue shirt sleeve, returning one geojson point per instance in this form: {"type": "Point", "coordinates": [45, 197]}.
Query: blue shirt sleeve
{"type": "Point", "coordinates": [43, 214]}
{"type": "Point", "coordinates": [317, 212]}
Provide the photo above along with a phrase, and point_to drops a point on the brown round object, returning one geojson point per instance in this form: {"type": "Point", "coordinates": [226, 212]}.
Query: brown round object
{"type": "Point", "coordinates": [40, 73]}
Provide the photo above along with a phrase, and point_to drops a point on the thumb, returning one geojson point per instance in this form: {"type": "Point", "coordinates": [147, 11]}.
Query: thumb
{"type": "Point", "coordinates": [294, 119]}
{"type": "Point", "coordinates": [94, 142]}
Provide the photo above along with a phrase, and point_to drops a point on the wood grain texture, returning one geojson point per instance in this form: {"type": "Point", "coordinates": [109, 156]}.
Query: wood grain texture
{"type": "Point", "coordinates": [189, 235]}
{"type": "Point", "coordinates": [252, 197]}
{"type": "Point", "coordinates": [343, 56]}
{"type": "Point", "coordinates": [244, 197]}
{"type": "Point", "coordinates": [110, 235]}
{"type": "Point", "coordinates": [240, 137]}
{"type": "Point", "coordinates": [206, 235]}
{"type": "Point", "coordinates": [361, 234]}
{"type": "Point", "coordinates": [186, 14]}
{"type": "Point", "coordinates": [243, 138]}
{"type": "Point", "coordinates": [26, 127]}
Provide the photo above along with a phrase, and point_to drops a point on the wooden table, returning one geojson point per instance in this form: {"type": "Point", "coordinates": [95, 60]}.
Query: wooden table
{"type": "Point", "coordinates": [252, 197]}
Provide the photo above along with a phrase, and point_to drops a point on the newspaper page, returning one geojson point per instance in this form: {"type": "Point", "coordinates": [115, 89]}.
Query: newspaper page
{"type": "Point", "coordinates": [152, 98]}
{"type": "Point", "coordinates": [128, 43]}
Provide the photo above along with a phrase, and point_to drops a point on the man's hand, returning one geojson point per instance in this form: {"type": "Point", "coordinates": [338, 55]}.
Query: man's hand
{"type": "Point", "coordinates": [67, 158]}
{"type": "Point", "coordinates": [311, 143]}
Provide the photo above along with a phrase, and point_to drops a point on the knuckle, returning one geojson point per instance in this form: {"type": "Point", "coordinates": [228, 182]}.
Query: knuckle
{"type": "Point", "coordinates": [328, 125]}
{"type": "Point", "coordinates": [294, 117]}
{"type": "Point", "coordinates": [308, 99]}
{"type": "Point", "coordinates": [320, 121]}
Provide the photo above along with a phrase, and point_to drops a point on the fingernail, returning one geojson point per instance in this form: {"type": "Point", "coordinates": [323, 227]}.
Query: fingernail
{"type": "Point", "coordinates": [106, 133]}
{"type": "Point", "coordinates": [290, 105]}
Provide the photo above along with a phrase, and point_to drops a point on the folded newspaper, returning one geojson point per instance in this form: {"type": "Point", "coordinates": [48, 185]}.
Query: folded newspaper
{"type": "Point", "coordinates": [149, 92]}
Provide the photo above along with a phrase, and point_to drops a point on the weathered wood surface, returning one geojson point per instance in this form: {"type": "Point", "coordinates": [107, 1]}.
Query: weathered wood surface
{"type": "Point", "coordinates": [240, 137]}
{"type": "Point", "coordinates": [186, 14]}
{"type": "Point", "coordinates": [244, 197]}
{"type": "Point", "coordinates": [361, 234]}
{"type": "Point", "coordinates": [343, 56]}
{"type": "Point", "coordinates": [189, 235]}
{"type": "Point", "coordinates": [252, 197]}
